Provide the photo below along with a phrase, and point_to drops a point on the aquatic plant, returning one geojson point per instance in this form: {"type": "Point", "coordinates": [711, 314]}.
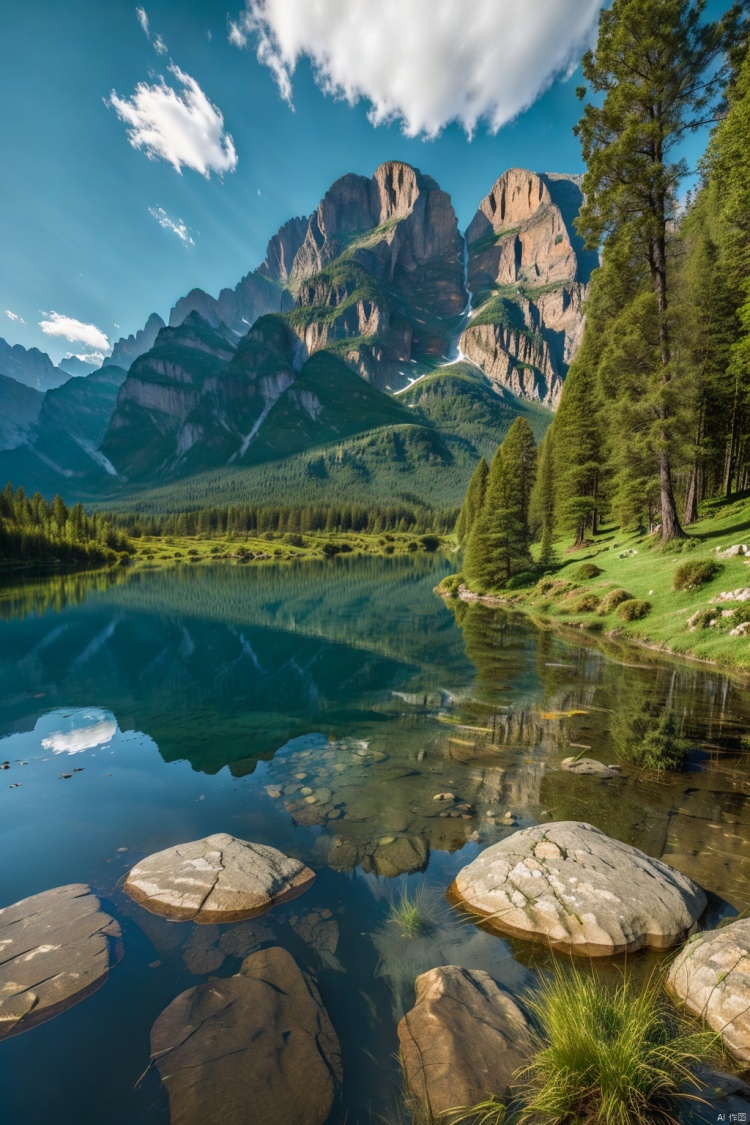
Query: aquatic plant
{"type": "Point", "coordinates": [614, 1053]}
{"type": "Point", "coordinates": [413, 913]}
{"type": "Point", "coordinates": [647, 737]}
{"type": "Point", "coordinates": [609, 1053]}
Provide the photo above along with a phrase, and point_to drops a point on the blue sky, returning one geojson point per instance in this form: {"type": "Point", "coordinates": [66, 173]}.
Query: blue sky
{"type": "Point", "coordinates": [94, 231]}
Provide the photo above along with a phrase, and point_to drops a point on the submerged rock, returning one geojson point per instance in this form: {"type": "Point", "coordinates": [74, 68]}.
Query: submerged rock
{"type": "Point", "coordinates": [711, 977]}
{"type": "Point", "coordinates": [571, 886]}
{"type": "Point", "coordinates": [258, 1046]}
{"type": "Point", "coordinates": [462, 1041]}
{"type": "Point", "coordinates": [588, 767]}
{"type": "Point", "coordinates": [56, 948]}
{"type": "Point", "coordinates": [218, 879]}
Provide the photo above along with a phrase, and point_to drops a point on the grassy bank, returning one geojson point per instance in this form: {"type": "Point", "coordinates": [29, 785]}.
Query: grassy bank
{"type": "Point", "coordinates": [239, 550]}
{"type": "Point", "coordinates": [633, 595]}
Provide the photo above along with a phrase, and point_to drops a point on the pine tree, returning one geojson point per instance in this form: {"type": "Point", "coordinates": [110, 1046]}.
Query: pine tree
{"type": "Point", "coordinates": [473, 502]}
{"type": "Point", "coordinates": [655, 67]}
{"type": "Point", "coordinates": [498, 544]}
{"type": "Point", "coordinates": [729, 164]}
{"type": "Point", "coordinates": [542, 507]}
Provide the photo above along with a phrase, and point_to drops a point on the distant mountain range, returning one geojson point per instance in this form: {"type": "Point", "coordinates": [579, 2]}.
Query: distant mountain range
{"type": "Point", "coordinates": [375, 349]}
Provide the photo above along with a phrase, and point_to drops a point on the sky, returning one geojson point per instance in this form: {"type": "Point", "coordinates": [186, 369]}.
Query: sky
{"type": "Point", "coordinates": [150, 149]}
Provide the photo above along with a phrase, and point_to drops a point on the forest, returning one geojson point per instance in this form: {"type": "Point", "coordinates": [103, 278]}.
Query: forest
{"type": "Point", "coordinates": [655, 414]}
{"type": "Point", "coordinates": [35, 531]}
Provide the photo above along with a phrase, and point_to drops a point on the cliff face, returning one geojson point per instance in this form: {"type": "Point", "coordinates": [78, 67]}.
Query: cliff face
{"type": "Point", "coordinates": [162, 388]}
{"type": "Point", "coordinates": [527, 265]}
{"type": "Point", "coordinates": [379, 273]}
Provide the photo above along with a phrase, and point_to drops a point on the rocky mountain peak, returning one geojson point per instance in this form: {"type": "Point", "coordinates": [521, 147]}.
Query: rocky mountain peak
{"type": "Point", "coordinates": [528, 270]}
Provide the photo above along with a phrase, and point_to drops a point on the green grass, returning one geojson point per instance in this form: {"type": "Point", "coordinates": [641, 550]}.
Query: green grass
{"type": "Point", "coordinates": [152, 551]}
{"type": "Point", "coordinates": [647, 573]}
{"type": "Point", "coordinates": [604, 1053]}
{"type": "Point", "coordinates": [412, 914]}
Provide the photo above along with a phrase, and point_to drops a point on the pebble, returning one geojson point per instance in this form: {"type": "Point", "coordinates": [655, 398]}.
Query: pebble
{"type": "Point", "coordinates": [444, 797]}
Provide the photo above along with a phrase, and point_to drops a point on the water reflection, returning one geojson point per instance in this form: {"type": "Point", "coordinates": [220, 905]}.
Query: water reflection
{"type": "Point", "coordinates": [342, 713]}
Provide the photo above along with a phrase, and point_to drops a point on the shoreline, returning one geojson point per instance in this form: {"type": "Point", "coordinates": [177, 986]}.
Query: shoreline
{"type": "Point", "coordinates": [580, 631]}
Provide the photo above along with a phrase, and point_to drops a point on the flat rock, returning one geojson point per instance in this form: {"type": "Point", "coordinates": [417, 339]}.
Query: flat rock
{"type": "Point", "coordinates": [218, 879]}
{"type": "Point", "coordinates": [56, 948]}
{"type": "Point", "coordinates": [258, 1046]}
{"type": "Point", "coordinates": [571, 886]}
{"type": "Point", "coordinates": [588, 767]}
{"type": "Point", "coordinates": [711, 977]}
{"type": "Point", "coordinates": [462, 1041]}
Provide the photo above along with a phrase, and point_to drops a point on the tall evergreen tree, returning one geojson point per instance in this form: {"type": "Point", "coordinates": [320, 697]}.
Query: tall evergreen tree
{"type": "Point", "coordinates": [473, 502]}
{"type": "Point", "coordinates": [729, 169]}
{"type": "Point", "coordinates": [655, 67]}
{"type": "Point", "coordinates": [542, 507]}
{"type": "Point", "coordinates": [498, 544]}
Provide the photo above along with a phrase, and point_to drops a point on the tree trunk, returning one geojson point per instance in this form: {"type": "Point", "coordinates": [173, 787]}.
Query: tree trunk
{"type": "Point", "coordinates": [670, 521]}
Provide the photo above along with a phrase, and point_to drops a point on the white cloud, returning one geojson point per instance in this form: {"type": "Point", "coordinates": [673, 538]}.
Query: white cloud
{"type": "Point", "coordinates": [423, 63]}
{"type": "Point", "coordinates": [75, 331]}
{"type": "Point", "coordinates": [181, 229]}
{"type": "Point", "coordinates": [180, 126]}
{"type": "Point", "coordinates": [97, 358]}
{"type": "Point", "coordinates": [14, 316]}
{"type": "Point", "coordinates": [156, 40]}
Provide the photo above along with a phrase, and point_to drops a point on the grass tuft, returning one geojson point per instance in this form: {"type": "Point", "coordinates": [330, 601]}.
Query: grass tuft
{"type": "Point", "coordinates": [694, 573]}
{"type": "Point", "coordinates": [413, 913]}
{"type": "Point", "coordinates": [604, 1053]}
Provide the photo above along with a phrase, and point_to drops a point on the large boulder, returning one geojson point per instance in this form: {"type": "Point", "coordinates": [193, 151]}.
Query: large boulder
{"type": "Point", "coordinates": [711, 977]}
{"type": "Point", "coordinates": [56, 948]}
{"type": "Point", "coordinates": [463, 1040]}
{"type": "Point", "coordinates": [571, 886]}
{"type": "Point", "coordinates": [258, 1046]}
{"type": "Point", "coordinates": [218, 879]}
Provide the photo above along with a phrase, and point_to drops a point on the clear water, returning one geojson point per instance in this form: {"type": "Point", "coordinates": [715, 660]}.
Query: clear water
{"type": "Point", "coordinates": [189, 702]}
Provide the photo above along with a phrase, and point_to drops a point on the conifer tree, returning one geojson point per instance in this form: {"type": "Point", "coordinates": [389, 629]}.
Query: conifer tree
{"type": "Point", "coordinates": [655, 67]}
{"type": "Point", "coordinates": [542, 507]}
{"type": "Point", "coordinates": [498, 544]}
{"type": "Point", "coordinates": [473, 502]}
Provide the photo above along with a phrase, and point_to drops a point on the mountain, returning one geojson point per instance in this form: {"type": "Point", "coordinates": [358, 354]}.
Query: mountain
{"type": "Point", "coordinates": [376, 352]}
{"type": "Point", "coordinates": [74, 366]}
{"type": "Point", "coordinates": [19, 410]}
{"type": "Point", "coordinates": [30, 367]}
{"type": "Point", "coordinates": [129, 348]}
{"type": "Point", "coordinates": [59, 449]}
{"type": "Point", "coordinates": [528, 271]}
{"type": "Point", "coordinates": [260, 292]}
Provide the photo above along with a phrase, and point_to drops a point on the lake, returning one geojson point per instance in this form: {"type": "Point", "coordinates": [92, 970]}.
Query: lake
{"type": "Point", "coordinates": [199, 700]}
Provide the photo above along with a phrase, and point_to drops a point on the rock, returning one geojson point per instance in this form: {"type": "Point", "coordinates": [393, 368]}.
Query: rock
{"type": "Point", "coordinates": [711, 977]}
{"type": "Point", "coordinates": [56, 948]}
{"type": "Point", "coordinates": [571, 886]}
{"type": "Point", "coordinates": [462, 1041]}
{"type": "Point", "coordinates": [258, 1046]}
{"type": "Point", "coordinates": [732, 552]}
{"type": "Point", "coordinates": [522, 241]}
{"type": "Point", "coordinates": [244, 938]}
{"type": "Point", "coordinates": [403, 855]}
{"type": "Point", "coordinates": [218, 879]}
{"type": "Point", "coordinates": [587, 767]}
